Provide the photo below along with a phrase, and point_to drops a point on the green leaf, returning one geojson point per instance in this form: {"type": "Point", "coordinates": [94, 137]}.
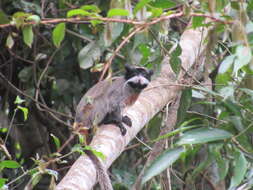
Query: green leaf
{"type": "Point", "coordinates": [78, 12]}
{"type": "Point", "coordinates": [3, 130]}
{"type": "Point", "coordinates": [152, 130]}
{"type": "Point", "coordinates": [232, 107]}
{"type": "Point", "coordinates": [249, 27]}
{"type": "Point", "coordinates": [52, 173]}
{"type": "Point", "coordinates": [165, 4]}
{"type": "Point", "coordinates": [156, 12]}
{"type": "Point", "coordinates": [187, 122]}
{"type": "Point", "coordinates": [96, 153]}
{"type": "Point", "coordinates": [223, 78]}
{"type": "Point", "coordinates": [36, 179]}
{"type": "Point", "coordinates": [77, 148]}
{"type": "Point", "coordinates": [236, 121]}
{"type": "Point", "coordinates": [34, 18]}
{"type": "Point", "coordinates": [235, 5]}
{"type": "Point", "coordinates": [28, 35]}
{"type": "Point", "coordinates": [117, 12]}
{"type": "Point", "coordinates": [19, 18]}
{"type": "Point", "coordinates": [140, 5]}
{"type": "Point", "coordinates": [207, 90]}
{"type": "Point", "coordinates": [92, 8]}
{"type": "Point", "coordinates": [82, 139]}
{"type": "Point", "coordinates": [227, 92]}
{"type": "Point", "coordinates": [19, 100]}
{"type": "Point", "coordinates": [226, 64]}
{"type": "Point", "coordinates": [222, 163]}
{"type": "Point", "coordinates": [25, 112]}
{"type": "Point", "coordinates": [175, 132]}
{"type": "Point", "coordinates": [202, 166]}
{"type": "Point", "coordinates": [185, 103]}
{"type": "Point", "coordinates": [9, 41]}
{"type": "Point", "coordinates": [26, 74]}
{"type": "Point", "coordinates": [162, 162]}
{"type": "Point", "coordinates": [239, 170]}
{"type": "Point", "coordinates": [59, 34]}
{"type": "Point", "coordinates": [223, 166]}
{"type": "Point", "coordinates": [250, 6]}
{"type": "Point", "coordinates": [197, 21]}
{"type": "Point", "coordinates": [111, 32]}
{"type": "Point", "coordinates": [203, 135]}
{"type": "Point", "coordinates": [175, 61]}
{"type": "Point", "coordinates": [88, 55]}
{"type": "Point", "coordinates": [243, 57]}
{"type": "Point", "coordinates": [3, 17]}
{"type": "Point", "coordinates": [2, 182]}
{"type": "Point", "coordinates": [95, 22]}
{"type": "Point", "coordinates": [56, 141]}
{"type": "Point", "coordinates": [247, 91]}
{"type": "Point", "coordinates": [145, 51]}
{"type": "Point", "coordinates": [9, 164]}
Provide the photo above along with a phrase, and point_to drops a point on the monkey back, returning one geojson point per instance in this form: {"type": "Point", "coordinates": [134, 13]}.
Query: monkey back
{"type": "Point", "coordinates": [102, 98]}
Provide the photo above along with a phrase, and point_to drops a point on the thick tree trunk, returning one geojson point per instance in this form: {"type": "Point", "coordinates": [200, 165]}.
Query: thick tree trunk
{"type": "Point", "coordinates": [108, 139]}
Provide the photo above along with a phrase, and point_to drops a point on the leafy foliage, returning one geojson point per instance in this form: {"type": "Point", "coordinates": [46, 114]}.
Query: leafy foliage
{"type": "Point", "coordinates": [58, 34]}
{"type": "Point", "coordinates": [53, 51]}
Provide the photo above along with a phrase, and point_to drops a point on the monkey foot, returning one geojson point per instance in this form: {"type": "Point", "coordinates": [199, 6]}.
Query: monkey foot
{"type": "Point", "coordinates": [127, 121]}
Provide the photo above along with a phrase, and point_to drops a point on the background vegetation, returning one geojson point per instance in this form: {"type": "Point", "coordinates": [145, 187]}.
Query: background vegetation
{"type": "Point", "coordinates": [53, 51]}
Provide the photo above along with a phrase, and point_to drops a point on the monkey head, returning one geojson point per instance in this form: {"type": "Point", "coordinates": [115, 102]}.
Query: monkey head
{"type": "Point", "coordinates": [137, 78]}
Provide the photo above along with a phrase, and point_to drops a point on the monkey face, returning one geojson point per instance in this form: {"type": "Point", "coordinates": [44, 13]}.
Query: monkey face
{"type": "Point", "coordinates": [137, 78]}
{"type": "Point", "coordinates": [138, 82]}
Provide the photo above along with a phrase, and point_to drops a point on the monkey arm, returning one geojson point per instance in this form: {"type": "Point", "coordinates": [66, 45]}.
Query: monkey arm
{"type": "Point", "coordinates": [108, 139]}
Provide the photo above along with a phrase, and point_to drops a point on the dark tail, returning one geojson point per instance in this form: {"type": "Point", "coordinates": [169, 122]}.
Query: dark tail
{"type": "Point", "coordinates": [103, 178]}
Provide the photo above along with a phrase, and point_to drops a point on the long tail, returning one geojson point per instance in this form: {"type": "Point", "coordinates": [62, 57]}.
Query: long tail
{"type": "Point", "coordinates": [103, 178]}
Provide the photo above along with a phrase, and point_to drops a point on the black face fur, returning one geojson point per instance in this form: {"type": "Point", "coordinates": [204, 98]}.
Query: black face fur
{"type": "Point", "coordinates": [132, 71]}
{"type": "Point", "coordinates": [137, 77]}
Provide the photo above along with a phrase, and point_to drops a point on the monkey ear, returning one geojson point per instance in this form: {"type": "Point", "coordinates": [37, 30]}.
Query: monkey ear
{"type": "Point", "coordinates": [128, 67]}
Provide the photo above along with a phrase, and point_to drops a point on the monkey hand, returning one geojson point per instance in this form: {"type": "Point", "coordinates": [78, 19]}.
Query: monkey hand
{"type": "Point", "coordinates": [127, 121]}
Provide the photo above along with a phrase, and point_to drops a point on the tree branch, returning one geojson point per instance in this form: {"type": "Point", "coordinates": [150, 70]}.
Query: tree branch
{"type": "Point", "coordinates": [127, 21]}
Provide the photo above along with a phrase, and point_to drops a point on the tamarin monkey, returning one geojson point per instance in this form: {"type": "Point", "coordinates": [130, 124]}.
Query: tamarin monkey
{"type": "Point", "coordinates": [103, 104]}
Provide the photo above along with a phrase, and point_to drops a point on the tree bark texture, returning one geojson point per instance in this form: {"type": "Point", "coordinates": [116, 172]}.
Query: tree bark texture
{"type": "Point", "coordinates": [108, 139]}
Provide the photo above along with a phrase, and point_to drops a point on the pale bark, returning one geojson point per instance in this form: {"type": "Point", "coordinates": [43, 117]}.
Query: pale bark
{"type": "Point", "coordinates": [108, 139]}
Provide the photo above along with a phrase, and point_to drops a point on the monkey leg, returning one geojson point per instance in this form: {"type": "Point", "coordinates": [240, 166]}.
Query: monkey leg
{"type": "Point", "coordinates": [127, 120]}
{"type": "Point", "coordinates": [115, 117]}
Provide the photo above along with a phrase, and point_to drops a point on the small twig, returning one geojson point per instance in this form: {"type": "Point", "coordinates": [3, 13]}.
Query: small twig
{"type": "Point", "coordinates": [143, 143]}
{"type": "Point", "coordinates": [159, 42]}
{"type": "Point", "coordinates": [244, 130]}
{"type": "Point", "coordinates": [42, 9]}
{"type": "Point", "coordinates": [10, 127]}
{"type": "Point", "coordinates": [19, 57]}
{"type": "Point", "coordinates": [79, 35]}
{"type": "Point", "coordinates": [194, 112]}
{"type": "Point", "coordinates": [126, 40]}
{"type": "Point", "coordinates": [132, 146]}
{"type": "Point", "coordinates": [42, 75]}
{"type": "Point", "coordinates": [241, 147]}
{"type": "Point", "coordinates": [66, 143]}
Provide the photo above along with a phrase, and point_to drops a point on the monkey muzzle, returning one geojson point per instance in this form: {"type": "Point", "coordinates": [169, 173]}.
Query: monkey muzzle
{"type": "Point", "coordinates": [138, 82]}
